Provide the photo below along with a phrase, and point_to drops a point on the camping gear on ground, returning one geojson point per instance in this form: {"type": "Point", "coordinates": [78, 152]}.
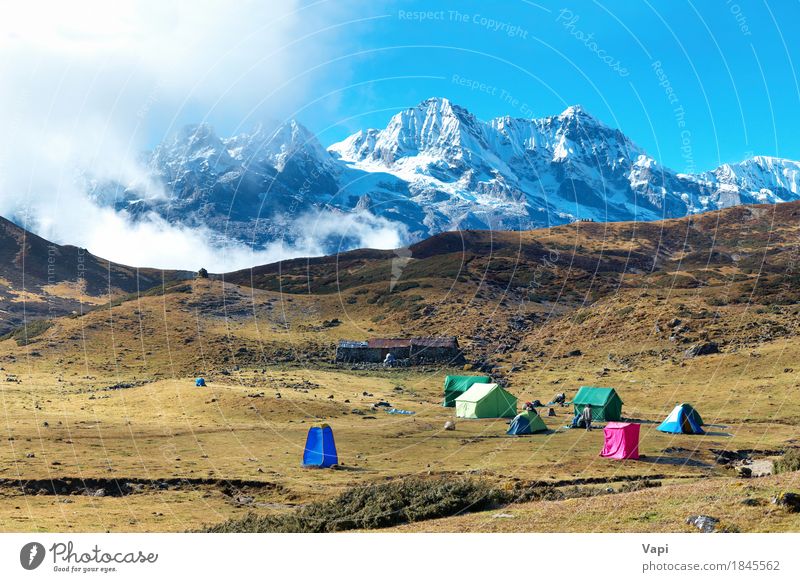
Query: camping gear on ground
{"type": "Point", "coordinates": [449, 425]}
{"type": "Point", "coordinates": [320, 448]}
{"type": "Point", "coordinates": [551, 412]}
{"type": "Point", "coordinates": [606, 403]}
{"type": "Point", "coordinates": [537, 403]}
{"type": "Point", "coordinates": [526, 422]}
{"type": "Point", "coordinates": [527, 406]}
{"type": "Point", "coordinates": [486, 401]}
{"type": "Point", "coordinates": [621, 440]}
{"type": "Point", "coordinates": [399, 411]}
{"type": "Point", "coordinates": [683, 419]}
{"type": "Point", "coordinates": [455, 386]}
{"type": "Point", "coordinates": [578, 421]}
{"type": "Point", "coordinates": [199, 382]}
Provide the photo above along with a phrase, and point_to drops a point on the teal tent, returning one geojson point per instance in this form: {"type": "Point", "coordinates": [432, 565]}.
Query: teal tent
{"type": "Point", "coordinates": [527, 422]}
{"type": "Point", "coordinates": [606, 403]}
{"type": "Point", "coordinates": [320, 448]}
{"type": "Point", "coordinates": [455, 386]}
{"type": "Point", "coordinates": [683, 419]}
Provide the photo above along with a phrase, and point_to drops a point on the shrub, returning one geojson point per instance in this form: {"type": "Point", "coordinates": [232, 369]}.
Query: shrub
{"type": "Point", "coordinates": [375, 506]}
{"type": "Point", "coordinates": [625, 311]}
{"type": "Point", "coordinates": [789, 462]}
{"type": "Point", "coordinates": [405, 286]}
{"type": "Point", "coordinates": [581, 316]}
{"type": "Point", "coordinates": [25, 334]}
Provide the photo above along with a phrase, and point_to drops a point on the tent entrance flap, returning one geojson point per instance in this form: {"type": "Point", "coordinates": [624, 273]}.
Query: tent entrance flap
{"type": "Point", "coordinates": [455, 386]}
{"type": "Point", "coordinates": [683, 419]}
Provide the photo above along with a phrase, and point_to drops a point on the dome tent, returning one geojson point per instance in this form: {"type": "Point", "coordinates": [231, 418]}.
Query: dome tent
{"type": "Point", "coordinates": [455, 386]}
{"type": "Point", "coordinates": [320, 448]}
{"type": "Point", "coordinates": [683, 419]}
{"type": "Point", "coordinates": [199, 381]}
{"type": "Point", "coordinates": [526, 422]}
{"type": "Point", "coordinates": [486, 401]}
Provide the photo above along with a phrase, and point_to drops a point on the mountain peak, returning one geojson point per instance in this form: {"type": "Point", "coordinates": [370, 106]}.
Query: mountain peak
{"type": "Point", "coordinates": [579, 113]}
{"type": "Point", "coordinates": [196, 132]}
{"type": "Point", "coordinates": [435, 101]}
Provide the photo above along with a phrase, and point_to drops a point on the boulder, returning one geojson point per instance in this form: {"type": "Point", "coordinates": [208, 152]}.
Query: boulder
{"type": "Point", "coordinates": [449, 425]}
{"type": "Point", "coordinates": [701, 349]}
{"type": "Point", "coordinates": [789, 500]}
{"type": "Point", "coordinates": [704, 523]}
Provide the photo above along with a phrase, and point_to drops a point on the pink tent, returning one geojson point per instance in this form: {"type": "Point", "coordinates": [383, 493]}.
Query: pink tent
{"type": "Point", "coordinates": [622, 440]}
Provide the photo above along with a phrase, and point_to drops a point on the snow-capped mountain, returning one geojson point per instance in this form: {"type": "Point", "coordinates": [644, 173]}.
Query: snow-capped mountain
{"type": "Point", "coordinates": [435, 167]}
{"type": "Point", "coordinates": [248, 187]}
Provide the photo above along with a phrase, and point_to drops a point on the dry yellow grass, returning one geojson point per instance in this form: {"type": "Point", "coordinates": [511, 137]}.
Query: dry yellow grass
{"type": "Point", "coordinates": [252, 345]}
{"type": "Point", "coordinates": [661, 509]}
{"type": "Point", "coordinates": [170, 428]}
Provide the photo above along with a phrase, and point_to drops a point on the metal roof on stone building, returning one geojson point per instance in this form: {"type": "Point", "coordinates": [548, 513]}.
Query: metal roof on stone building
{"type": "Point", "coordinates": [352, 344]}
{"type": "Point", "coordinates": [426, 342]}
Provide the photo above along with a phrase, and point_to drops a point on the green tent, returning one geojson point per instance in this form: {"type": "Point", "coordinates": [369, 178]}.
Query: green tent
{"type": "Point", "coordinates": [486, 401]}
{"type": "Point", "coordinates": [606, 403]}
{"type": "Point", "coordinates": [455, 386]}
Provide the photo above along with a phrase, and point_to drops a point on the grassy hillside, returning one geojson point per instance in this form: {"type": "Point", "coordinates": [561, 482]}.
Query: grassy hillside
{"type": "Point", "coordinates": [40, 279]}
{"type": "Point", "coordinates": [107, 401]}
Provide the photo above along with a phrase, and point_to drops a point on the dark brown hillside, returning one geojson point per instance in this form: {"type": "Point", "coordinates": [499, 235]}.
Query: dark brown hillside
{"type": "Point", "coordinates": [42, 279]}
{"type": "Point", "coordinates": [752, 240]}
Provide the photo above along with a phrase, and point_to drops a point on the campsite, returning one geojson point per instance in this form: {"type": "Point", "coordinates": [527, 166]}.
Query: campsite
{"type": "Point", "coordinates": [106, 430]}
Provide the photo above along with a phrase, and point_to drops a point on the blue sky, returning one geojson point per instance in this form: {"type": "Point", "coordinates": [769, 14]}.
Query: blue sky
{"type": "Point", "coordinates": [91, 84]}
{"type": "Point", "coordinates": [694, 83]}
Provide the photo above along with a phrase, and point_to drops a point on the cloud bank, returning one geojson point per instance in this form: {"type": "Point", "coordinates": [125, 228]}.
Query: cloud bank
{"type": "Point", "coordinates": [88, 85]}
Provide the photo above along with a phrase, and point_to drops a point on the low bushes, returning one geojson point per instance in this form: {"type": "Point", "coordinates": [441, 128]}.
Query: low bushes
{"type": "Point", "coordinates": [375, 506]}
{"type": "Point", "coordinates": [27, 332]}
{"type": "Point", "coordinates": [789, 462]}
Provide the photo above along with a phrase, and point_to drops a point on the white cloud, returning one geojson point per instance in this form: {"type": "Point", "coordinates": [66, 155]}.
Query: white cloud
{"type": "Point", "coordinates": [90, 84]}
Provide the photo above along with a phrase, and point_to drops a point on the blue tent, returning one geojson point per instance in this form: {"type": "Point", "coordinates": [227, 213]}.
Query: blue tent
{"type": "Point", "coordinates": [527, 422]}
{"type": "Point", "coordinates": [320, 449]}
{"type": "Point", "coordinates": [682, 420]}
{"type": "Point", "coordinates": [199, 382]}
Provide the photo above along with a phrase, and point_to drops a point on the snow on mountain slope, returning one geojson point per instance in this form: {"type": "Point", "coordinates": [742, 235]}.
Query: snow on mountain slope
{"type": "Point", "coordinates": [434, 167]}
